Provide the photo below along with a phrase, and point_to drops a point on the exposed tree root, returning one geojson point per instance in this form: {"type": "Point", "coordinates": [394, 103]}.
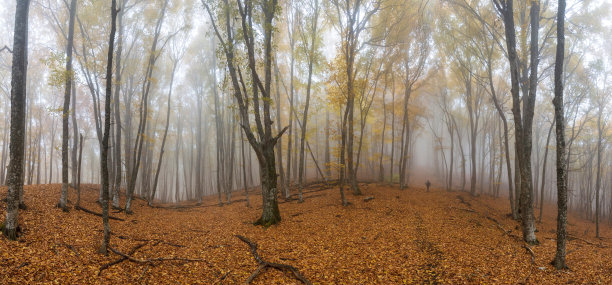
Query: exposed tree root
{"type": "Point", "coordinates": [97, 214]}
{"type": "Point", "coordinates": [263, 264]}
{"type": "Point", "coordinates": [122, 259]}
{"type": "Point", "coordinates": [530, 252]}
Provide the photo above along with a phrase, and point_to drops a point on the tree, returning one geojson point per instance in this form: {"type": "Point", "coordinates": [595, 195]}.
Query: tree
{"type": "Point", "coordinates": [107, 126]}
{"type": "Point", "coordinates": [523, 121]}
{"type": "Point", "coordinates": [144, 109]}
{"type": "Point", "coordinates": [351, 20]}
{"type": "Point", "coordinates": [309, 40]}
{"type": "Point", "coordinates": [559, 261]}
{"type": "Point", "coordinates": [66, 109]}
{"type": "Point", "coordinates": [19, 71]}
{"type": "Point", "coordinates": [264, 144]}
{"type": "Point", "coordinates": [175, 58]}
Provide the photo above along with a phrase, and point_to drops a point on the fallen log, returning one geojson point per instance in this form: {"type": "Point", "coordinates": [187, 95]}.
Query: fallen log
{"type": "Point", "coordinates": [264, 264]}
{"type": "Point", "coordinates": [96, 214]}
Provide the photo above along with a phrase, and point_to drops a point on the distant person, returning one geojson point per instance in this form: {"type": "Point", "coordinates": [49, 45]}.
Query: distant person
{"type": "Point", "coordinates": [427, 184]}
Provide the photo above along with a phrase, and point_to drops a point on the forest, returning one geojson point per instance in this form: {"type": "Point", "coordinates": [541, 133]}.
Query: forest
{"type": "Point", "coordinates": [305, 141]}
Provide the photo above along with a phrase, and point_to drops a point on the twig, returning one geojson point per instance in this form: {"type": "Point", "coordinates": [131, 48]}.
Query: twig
{"type": "Point", "coordinates": [6, 48]}
{"type": "Point", "coordinates": [587, 242]}
{"type": "Point", "coordinates": [530, 252]}
{"type": "Point", "coordinates": [97, 214]}
{"type": "Point", "coordinates": [223, 277]}
{"type": "Point", "coordinates": [143, 272]}
{"type": "Point", "coordinates": [122, 259]}
{"type": "Point", "coordinates": [263, 264]}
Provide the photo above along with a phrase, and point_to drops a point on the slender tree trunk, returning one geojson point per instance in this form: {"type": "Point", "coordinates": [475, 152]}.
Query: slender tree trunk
{"type": "Point", "coordinates": [279, 146]}
{"type": "Point", "coordinates": [66, 109]}
{"type": "Point", "coordinates": [327, 150]}
{"type": "Point", "coordinates": [107, 126]}
{"type": "Point", "coordinates": [144, 110]}
{"type": "Point", "coordinates": [117, 146]}
{"type": "Point", "coordinates": [163, 144]}
{"type": "Point", "coordinates": [544, 171]}
{"type": "Point", "coordinates": [598, 175]}
{"type": "Point", "coordinates": [78, 183]}
{"type": "Point", "coordinates": [559, 261]}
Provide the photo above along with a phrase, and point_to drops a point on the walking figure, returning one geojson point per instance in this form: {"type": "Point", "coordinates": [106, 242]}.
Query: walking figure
{"type": "Point", "coordinates": [427, 184]}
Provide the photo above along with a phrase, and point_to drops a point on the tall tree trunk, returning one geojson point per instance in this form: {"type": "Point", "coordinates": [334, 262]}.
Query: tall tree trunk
{"type": "Point", "coordinates": [107, 126]}
{"type": "Point", "coordinates": [544, 171]}
{"type": "Point", "coordinates": [598, 175]}
{"type": "Point", "coordinates": [66, 109]}
{"type": "Point", "coordinates": [163, 144]}
{"type": "Point", "coordinates": [559, 261]}
{"type": "Point", "coordinates": [78, 183]}
{"type": "Point", "coordinates": [523, 123]}
{"type": "Point", "coordinates": [117, 146]}
{"type": "Point", "coordinates": [279, 146]}
{"type": "Point", "coordinates": [18, 104]}
{"type": "Point", "coordinates": [144, 110]}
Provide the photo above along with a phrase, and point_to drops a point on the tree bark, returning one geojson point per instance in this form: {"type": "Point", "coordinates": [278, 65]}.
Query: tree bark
{"type": "Point", "coordinates": [107, 125]}
{"type": "Point", "coordinates": [18, 103]}
{"type": "Point", "coordinates": [66, 109]}
{"type": "Point", "coordinates": [559, 261]}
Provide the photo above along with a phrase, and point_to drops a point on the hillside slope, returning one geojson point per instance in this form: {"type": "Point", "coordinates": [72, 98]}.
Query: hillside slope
{"type": "Point", "coordinates": [410, 236]}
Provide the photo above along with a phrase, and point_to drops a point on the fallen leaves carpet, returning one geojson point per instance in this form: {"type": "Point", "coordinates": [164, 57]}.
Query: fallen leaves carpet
{"type": "Point", "coordinates": [399, 237]}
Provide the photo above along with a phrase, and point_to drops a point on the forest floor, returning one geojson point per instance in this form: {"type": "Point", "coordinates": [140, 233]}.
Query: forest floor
{"type": "Point", "coordinates": [409, 236]}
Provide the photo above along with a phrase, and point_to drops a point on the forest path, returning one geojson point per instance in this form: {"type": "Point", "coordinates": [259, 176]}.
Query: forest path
{"type": "Point", "coordinates": [399, 237]}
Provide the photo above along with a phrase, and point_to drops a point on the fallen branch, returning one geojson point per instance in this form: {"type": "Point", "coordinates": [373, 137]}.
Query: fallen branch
{"type": "Point", "coordinates": [263, 264]}
{"type": "Point", "coordinates": [463, 201]}
{"type": "Point", "coordinates": [586, 241]}
{"type": "Point", "coordinates": [157, 241]}
{"type": "Point", "coordinates": [152, 261]}
{"type": "Point", "coordinates": [122, 259]}
{"type": "Point", "coordinates": [368, 199]}
{"type": "Point", "coordinates": [70, 247]}
{"type": "Point", "coordinates": [530, 252]}
{"type": "Point", "coordinates": [97, 214]}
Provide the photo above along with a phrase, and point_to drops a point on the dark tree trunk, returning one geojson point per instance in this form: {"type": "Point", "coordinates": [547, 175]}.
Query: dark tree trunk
{"type": "Point", "coordinates": [78, 183]}
{"type": "Point", "coordinates": [66, 109]}
{"type": "Point", "coordinates": [117, 146]}
{"type": "Point", "coordinates": [523, 123]}
{"type": "Point", "coordinates": [107, 125]}
{"type": "Point", "coordinates": [18, 104]}
{"type": "Point", "coordinates": [559, 261]}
